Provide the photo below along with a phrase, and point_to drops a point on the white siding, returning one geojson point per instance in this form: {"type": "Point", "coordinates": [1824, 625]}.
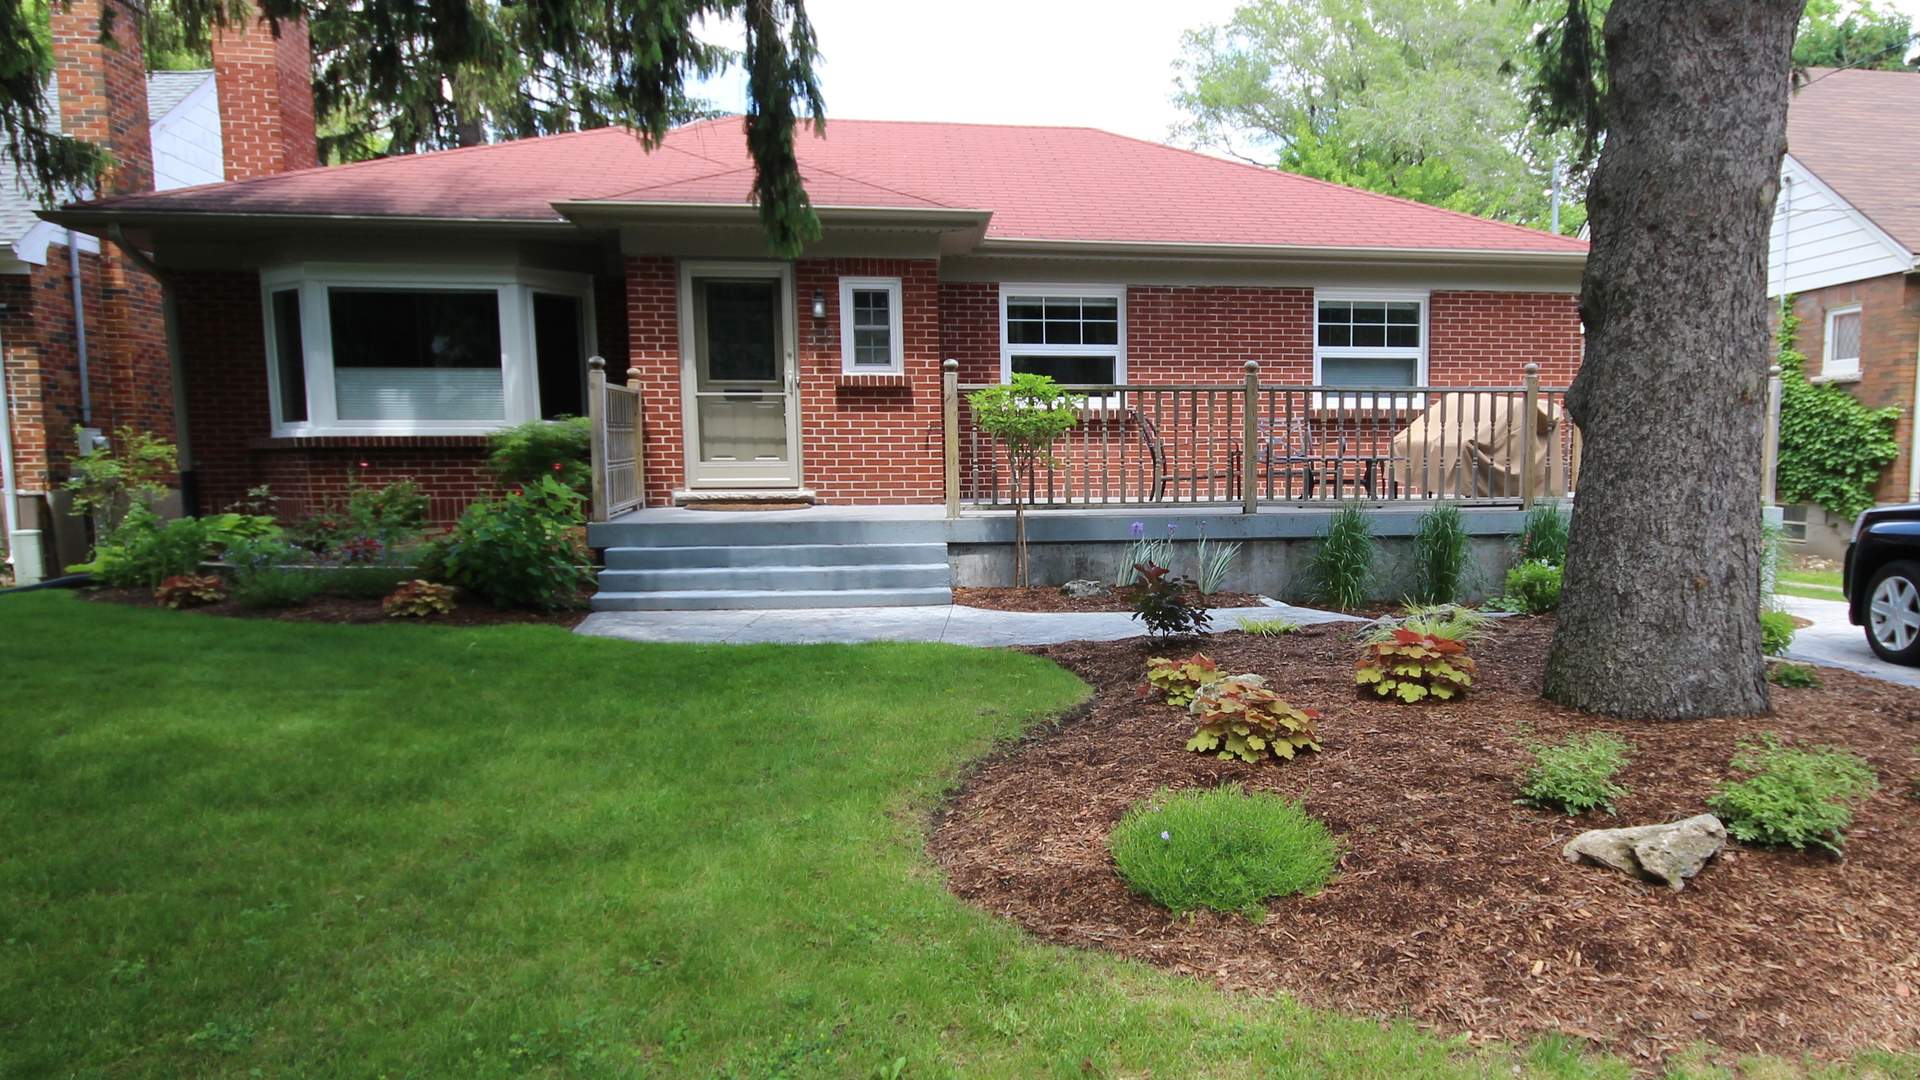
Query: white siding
{"type": "Point", "coordinates": [1820, 240]}
{"type": "Point", "coordinates": [186, 141]}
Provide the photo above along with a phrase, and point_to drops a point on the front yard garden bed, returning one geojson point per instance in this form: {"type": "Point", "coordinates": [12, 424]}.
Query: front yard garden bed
{"type": "Point", "coordinates": [1050, 598]}
{"type": "Point", "coordinates": [343, 609]}
{"type": "Point", "coordinates": [1451, 904]}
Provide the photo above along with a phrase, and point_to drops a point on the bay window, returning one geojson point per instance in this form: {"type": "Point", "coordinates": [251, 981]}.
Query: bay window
{"type": "Point", "coordinates": [385, 351]}
{"type": "Point", "coordinates": [1364, 339]}
{"type": "Point", "coordinates": [1074, 333]}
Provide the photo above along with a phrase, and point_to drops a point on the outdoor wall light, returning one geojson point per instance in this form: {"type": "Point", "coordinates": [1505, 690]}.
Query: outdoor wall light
{"type": "Point", "coordinates": [819, 304]}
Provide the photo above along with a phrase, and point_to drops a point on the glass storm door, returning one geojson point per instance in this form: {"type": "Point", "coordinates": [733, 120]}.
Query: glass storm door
{"type": "Point", "coordinates": [743, 390]}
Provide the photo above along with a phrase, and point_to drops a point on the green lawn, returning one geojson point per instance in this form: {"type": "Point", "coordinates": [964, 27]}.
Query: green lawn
{"type": "Point", "coordinates": [1815, 584]}
{"type": "Point", "coordinates": [262, 849]}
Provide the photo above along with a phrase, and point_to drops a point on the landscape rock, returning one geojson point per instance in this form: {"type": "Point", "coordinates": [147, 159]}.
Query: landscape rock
{"type": "Point", "coordinates": [1671, 852]}
{"type": "Point", "coordinates": [1084, 589]}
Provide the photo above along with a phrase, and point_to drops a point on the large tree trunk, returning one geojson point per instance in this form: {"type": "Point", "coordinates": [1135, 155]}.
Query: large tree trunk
{"type": "Point", "coordinates": [1660, 614]}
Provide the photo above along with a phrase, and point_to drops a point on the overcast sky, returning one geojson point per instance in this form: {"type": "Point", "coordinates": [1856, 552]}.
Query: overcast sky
{"type": "Point", "coordinates": [1098, 63]}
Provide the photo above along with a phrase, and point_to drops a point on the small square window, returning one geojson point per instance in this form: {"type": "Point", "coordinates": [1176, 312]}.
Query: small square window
{"type": "Point", "coordinates": [870, 326]}
{"type": "Point", "coordinates": [1842, 353]}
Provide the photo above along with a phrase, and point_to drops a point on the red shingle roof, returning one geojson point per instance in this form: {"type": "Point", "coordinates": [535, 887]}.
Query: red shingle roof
{"type": "Point", "coordinates": [1859, 131]}
{"type": "Point", "coordinates": [1040, 183]}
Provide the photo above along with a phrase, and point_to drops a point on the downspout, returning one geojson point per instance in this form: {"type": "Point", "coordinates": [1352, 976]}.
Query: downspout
{"type": "Point", "coordinates": [6, 450]}
{"type": "Point", "coordinates": [80, 329]}
{"type": "Point", "coordinates": [176, 367]}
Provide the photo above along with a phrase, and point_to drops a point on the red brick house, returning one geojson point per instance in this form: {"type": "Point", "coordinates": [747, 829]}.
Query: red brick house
{"type": "Point", "coordinates": [107, 364]}
{"type": "Point", "coordinates": [1846, 230]}
{"type": "Point", "coordinates": [380, 319]}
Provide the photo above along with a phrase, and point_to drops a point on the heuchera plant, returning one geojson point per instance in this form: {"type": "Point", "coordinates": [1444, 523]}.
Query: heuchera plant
{"type": "Point", "coordinates": [190, 590]}
{"type": "Point", "coordinates": [1239, 720]}
{"type": "Point", "coordinates": [1178, 680]}
{"type": "Point", "coordinates": [418, 599]}
{"type": "Point", "coordinates": [1412, 666]}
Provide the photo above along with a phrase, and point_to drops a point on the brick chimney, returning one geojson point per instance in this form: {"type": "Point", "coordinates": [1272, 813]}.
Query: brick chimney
{"type": "Point", "coordinates": [265, 85]}
{"type": "Point", "coordinates": [103, 89]}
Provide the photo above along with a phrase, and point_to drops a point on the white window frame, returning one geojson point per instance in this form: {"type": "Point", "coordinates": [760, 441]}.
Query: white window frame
{"type": "Point", "coordinates": [897, 349]}
{"type": "Point", "coordinates": [1827, 368]}
{"type": "Point", "coordinates": [513, 288]}
{"type": "Point", "coordinates": [1044, 290]}
{"type": "Point", "coordinates": [1422, 297]}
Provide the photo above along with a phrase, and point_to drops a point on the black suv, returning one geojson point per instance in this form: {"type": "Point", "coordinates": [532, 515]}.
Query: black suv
{"type": "Point", "coordinates": [1882, 581]}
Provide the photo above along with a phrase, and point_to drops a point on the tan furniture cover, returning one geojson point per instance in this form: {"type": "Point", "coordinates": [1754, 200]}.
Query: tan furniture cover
{"type": "Point", "coordinates": [1454, 452]}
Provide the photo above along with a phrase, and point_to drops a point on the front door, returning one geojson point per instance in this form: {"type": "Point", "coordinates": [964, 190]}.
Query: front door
{"type": "Point", "coordinates": [737, 351]}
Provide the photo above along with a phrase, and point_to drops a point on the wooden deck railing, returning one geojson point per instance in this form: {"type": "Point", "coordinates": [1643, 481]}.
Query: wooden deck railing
{"type": "Point", "coordinates": [618, 432]}
{"type": "Point", "coordinates": [1247, 443]}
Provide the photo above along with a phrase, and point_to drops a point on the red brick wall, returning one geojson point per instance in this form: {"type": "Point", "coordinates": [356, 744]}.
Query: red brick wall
{"type": "Point", "coordinates": [653, 347]}
{"type": "Point", "coordinates": [1487, 338]}
{"type": "Point", "coordinates": [1889, 345]}
{"type": "Point", "coordinates": [265, 81]}
{"type": "Point", "coordinates": [43, 376]}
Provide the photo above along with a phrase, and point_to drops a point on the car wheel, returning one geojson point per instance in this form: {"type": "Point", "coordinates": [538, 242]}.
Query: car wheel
{"type": "Point", "coordinates": [1893, 612]}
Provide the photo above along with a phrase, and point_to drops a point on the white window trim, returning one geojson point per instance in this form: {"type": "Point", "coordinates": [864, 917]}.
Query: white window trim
{"type": "Point", "coordinates": [513, 286]}
{"type": "Point", "coordinates": [1045, 289]}
{"type": "Point", "coordinates": [897, 350]}
{"type": "Point", "coordinates": [1422, 297]}
{"type": "Point", "coordinates": [1827, 368]}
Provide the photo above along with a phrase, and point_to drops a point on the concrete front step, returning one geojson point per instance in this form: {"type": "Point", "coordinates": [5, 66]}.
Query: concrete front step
{"type": "Point", "coordinates": [780, 578]}
{"type": "Point", "coordinates": [746, 555]}
{"type": "Point", "coordinates": [714, 600]}
{"type": "Point", "coordinates": [761, 532]}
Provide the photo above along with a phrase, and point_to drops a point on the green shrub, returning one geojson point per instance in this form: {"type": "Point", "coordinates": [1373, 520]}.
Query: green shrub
{"type": "Point", "coordinates": [1162, 604]}
{"type": "Point", "coordinates": [261, 575]}
{"type": "Point", "coordinates": [1245, 721]}
{"type": "Point", "coordinates": [1796, 797]}
{"type": "Point", "coordinates": [1577, 775]}
{"type": "Point", "coordinates": [1440, 548]}
{"type": "Point", "coordinates": [373, 525]}
{"type": "Point", "coordinates": [523, 550]}
{"type": "Point", "coordinates": [190, 590]}
{"type": "Point", "coordinates": [1543, 536]}
{"type": "Point", "coordinates": [1532, 588]}
{"type": "Point", "coordinates": [1221, 849]}
{"type": "Point", "coordinates": [1178, 680]}
{"type": "Point", "coordinates": [1409, 666]}
{"type": "Point", "coordinates": [1776, 632]}
{"type": "Point", "coordinates": [418, 599]}
{"type": "Point", "coordinates": [1797, 676]}
{"type": "Point", "coordinates": [562, 449]}
{"type": "Point", "coordinates": [127, 474]}
{"type": "Point", "coordinates": [1342, 565]}
{"type": "Point", "coordinates": [1259, 627]}
{"type": "Point", "coordinates": [145, 550]}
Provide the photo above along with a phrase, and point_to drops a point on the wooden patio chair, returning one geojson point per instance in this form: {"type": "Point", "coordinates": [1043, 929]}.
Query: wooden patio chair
{"type": "Point", "coordinates": [1286, 449]}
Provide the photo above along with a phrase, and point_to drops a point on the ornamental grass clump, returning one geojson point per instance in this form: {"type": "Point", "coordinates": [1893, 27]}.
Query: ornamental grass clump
{"type": "Point", "coordinates": [1577, 775]}
{"type": "Point", "coordinates": [1440, 548]}
{"type": "Point", "coordinates": [1342, 565]}
{"type": "Point", "coordinates": [1794, 797]}
{"type": "Point", "coordinates": [1222, 849]}
{"type": "Point", "coordinates": [1241, 719]}
{"type": "Point", "coordinates": [1403, 664]}
{"type": "Point", "coordinates": [1178, 680]}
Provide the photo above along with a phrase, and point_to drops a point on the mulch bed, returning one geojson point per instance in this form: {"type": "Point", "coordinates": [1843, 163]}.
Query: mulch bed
{"type": "Point", "coordinates": [1050, 598]}
{"type": "Point", "coordinates": [1452, 905]}
{"type": "Point", "coordinates": [334, 609]}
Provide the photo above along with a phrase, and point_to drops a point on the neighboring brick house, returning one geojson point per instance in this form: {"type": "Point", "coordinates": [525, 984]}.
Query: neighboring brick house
{"type": "Point", "coordinates": [110, 366]}
{"type": "Point", "coordinates": [380, 319]}
{"type": "Point", "coordinates": [1846, 228]}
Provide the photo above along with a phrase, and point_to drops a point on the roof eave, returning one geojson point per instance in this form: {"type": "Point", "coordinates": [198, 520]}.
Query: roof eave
{"type": "Point", "coordinates": [628, 212]}
{"type": "Point", "coordinates": [1279, 252]}
{"type": "Point", "coordinates": [94, 219]}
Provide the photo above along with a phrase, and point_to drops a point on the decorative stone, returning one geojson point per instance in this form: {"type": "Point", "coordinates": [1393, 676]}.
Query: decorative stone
{"type": "Point", "coordinates": [1204, 697]}
{"type": "Point", "coordinates": [1084, 589]}
{"type": "Point", "coordinates": [1671, 852]}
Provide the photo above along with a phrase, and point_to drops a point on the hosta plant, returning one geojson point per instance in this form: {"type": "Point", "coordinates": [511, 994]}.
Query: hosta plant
{"type": "Point", "coordinates": [418, 599]}
{"type": "Point", "coordinates": [1409, 666]}
{"type": "Point", "coordinates": [190, 590]}
{"type": "Point", "coordinates": [1246, 721]}
{"type": "Point", "coordinates": [1178, 680]}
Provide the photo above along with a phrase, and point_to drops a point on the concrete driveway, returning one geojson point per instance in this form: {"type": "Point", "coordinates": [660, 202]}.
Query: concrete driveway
{"type": "Point", "coordinates": [1833, 641]}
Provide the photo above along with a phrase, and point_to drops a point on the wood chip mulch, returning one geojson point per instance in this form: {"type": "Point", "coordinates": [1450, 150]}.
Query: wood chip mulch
{"type": "Point", "coordinates": [1452, 905]}
{"type": "Point", "coordinates": [334, 609]}
{"type": "Point", "coordinates": [1050, 598]}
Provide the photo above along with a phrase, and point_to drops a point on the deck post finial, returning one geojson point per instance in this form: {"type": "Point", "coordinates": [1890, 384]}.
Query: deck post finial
{"type": "Point", "coordinates": [949, 364]}
{"type": "Point", "coordinates": [596, 363]}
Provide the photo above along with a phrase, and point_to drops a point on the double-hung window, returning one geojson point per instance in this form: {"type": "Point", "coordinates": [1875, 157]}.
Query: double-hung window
{"type": "Point", "coordinates": [870, 341]}
{"type": "Point", "coordinates": [1366, 339]}
{"type": "Point", "coordinates": [1074, 333]}
{"type": "Point", "coordinates": [1840, 356]}
{"type": "Point", "coordinates": [380, 350]}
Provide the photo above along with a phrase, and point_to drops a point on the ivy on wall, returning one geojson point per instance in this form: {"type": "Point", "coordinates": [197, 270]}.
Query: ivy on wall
{"type": "Point", "coordinates": [1832, 448]}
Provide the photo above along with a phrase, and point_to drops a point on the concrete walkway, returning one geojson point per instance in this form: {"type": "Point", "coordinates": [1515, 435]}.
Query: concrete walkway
{"type": "Point", "coordinates": [1833, 641]}
{"type": "Point", "coordinates": [955, 625]}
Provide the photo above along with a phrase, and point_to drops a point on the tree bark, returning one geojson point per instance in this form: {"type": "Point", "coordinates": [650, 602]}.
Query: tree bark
{"type": "Point", "coordinates": [1659, 618]}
